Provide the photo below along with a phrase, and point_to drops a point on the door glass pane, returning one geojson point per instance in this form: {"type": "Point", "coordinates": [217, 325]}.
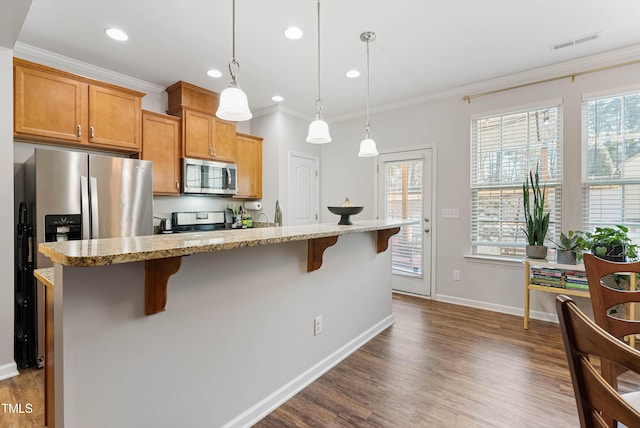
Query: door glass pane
{"type": "Point", "coordinates": [403, 200]}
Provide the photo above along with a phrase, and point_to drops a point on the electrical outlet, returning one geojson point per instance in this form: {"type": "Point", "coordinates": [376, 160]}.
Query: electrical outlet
{"type": "Point", "coordinates": [456, 275]}
{"type": "Point", "coordinates": [317, 325]}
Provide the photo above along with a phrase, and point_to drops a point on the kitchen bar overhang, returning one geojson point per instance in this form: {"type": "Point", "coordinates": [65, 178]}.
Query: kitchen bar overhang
{"type": "Point", "coordinates": [163, 254]}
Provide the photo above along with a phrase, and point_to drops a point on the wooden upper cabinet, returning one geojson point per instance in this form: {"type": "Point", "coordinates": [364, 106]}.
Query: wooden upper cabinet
{"type": "Point", "coordinates": [224, 141]}
{"type": "Point", "coordinates": [49, 105]}
{"type": "Point", "coordinates": [114, 118]}
{"type": "Point", "coordinates": [197, 133]}
{"type": "Point", "coordinates": [204, 135]}
{"type": "Point", "coordinates": [53, 106]}
{"type": "Point", "coordinates": [249, 166]}
{"type": "Point", "coordinates": [161, 145]}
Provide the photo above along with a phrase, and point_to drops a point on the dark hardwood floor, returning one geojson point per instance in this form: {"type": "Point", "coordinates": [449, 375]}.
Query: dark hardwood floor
{"type": "Point", "coordinates": [443, 365]}
{"type": "Point", "coordinates": [439, 365]}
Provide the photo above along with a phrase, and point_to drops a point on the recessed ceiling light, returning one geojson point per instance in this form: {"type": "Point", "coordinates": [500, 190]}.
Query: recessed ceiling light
{"type": "Point", "coordinates": [214, 73]}
{"type": "Point", "coordinates": [277, 98]}
{"type": "Point", "coordinates": [352, 74]}
{"type": "Point", "coordinates": [293, 33]}
{"type": "Point", "coordinates": [116, 34]}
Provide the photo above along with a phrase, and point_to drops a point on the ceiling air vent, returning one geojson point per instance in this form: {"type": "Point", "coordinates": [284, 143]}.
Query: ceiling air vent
{"type": "Point", "coordinates": [574, 42]}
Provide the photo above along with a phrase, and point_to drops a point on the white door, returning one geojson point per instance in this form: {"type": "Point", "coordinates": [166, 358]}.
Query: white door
{"type": "Point", "coordinates": [303, 188]}
{"type": "Point", "coordinates": [404, 192]}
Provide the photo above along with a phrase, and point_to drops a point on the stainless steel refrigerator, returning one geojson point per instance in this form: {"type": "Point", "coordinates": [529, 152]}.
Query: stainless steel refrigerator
{"type": "Point", "coordinates": [74, 195]}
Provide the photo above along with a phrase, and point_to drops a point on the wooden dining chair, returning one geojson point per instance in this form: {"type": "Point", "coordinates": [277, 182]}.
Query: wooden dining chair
{"type": "Point", "coordinates": [604, 298]}
{"type": "Point", "coordinates": [595, 397]}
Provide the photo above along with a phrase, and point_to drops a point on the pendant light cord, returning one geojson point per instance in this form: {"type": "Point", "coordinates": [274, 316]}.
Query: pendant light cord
{"type": "Point", "coordinates": [233, 62]}
{"type": "Point", "coordinates": [319, 100]}
{"type": "Point", "coordinates": [367, 124]}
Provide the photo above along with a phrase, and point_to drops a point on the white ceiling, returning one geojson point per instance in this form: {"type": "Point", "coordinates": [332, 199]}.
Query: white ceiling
{"type": "Point", "coordinates": [422, 47]}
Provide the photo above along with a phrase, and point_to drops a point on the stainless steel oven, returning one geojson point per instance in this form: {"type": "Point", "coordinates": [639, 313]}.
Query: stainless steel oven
{"type": "Point", "coordinates": [209, 177]}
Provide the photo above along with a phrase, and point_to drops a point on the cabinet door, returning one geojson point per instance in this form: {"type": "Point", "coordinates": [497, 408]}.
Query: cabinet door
{"type": "Point", "coordinates": [224, 141]}
{"type": "Point", "coordinates": [161, 145]}
{"type": "Point", "coordinates": [114, 118]}
{"type": "Point", "coordinates": [197, 134]}
{"type": "Point", "coordinates": [249, 166]}
{"type": "Point", "coordinates": [48, 105]}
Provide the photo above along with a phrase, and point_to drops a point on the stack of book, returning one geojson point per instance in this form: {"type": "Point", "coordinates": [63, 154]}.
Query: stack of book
{"type": "Point", "coordinates": [576, 280]}
{"type": "Point", "coordinates": [548, 277]}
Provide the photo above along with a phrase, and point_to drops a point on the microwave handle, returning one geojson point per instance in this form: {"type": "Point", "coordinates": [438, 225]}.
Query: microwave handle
{"type": "Point", "coordinates": [226, 178]}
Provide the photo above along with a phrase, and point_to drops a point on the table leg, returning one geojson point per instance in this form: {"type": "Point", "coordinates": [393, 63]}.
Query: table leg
{"type": "Point", "coordinates": [526, 295]}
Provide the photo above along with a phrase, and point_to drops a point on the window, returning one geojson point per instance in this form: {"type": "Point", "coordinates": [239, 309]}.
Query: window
{"type": "Point", "coordinates": [403, 199]}
{"type": "Point", "coordinates": [504, 148]}
{"type": "Point", "coordinates": [611, 162]}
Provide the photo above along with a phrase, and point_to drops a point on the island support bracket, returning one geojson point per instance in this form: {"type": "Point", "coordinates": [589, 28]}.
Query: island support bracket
{"type": "Point", "coordinates": [156, 278]}
{"type": "Point", "coordinates": [157, 272]}
{"type": "Point", "coordinates": [316, 250]}
{"type": "Point", "coordinates": [383, 238]}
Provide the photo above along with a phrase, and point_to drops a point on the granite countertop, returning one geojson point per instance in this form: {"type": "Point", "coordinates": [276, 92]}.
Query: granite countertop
{"type": "Point", "coordinates": [98, 252]}
{"type": "Point", "coordinates": [45, 275]}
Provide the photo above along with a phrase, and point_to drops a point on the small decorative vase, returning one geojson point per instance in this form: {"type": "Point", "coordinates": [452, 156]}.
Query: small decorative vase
{"type": "Point", "coordinates": [536, 251]}
{"type": "Point", "coordinates": [565, 257]}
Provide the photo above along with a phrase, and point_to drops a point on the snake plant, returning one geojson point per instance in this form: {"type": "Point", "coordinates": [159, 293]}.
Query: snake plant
{"type": "Point", "coordinates": [536, 220]}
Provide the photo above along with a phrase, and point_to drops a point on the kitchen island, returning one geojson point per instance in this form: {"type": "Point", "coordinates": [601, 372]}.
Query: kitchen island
{"type": "Point", "coordinates": [211, 328]}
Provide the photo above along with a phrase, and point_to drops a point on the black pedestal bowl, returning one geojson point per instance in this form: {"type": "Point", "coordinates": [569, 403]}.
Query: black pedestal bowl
{"type": "Point", "coordinates": [345, 212]}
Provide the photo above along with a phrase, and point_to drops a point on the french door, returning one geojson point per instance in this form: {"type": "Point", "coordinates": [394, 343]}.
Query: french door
{"type": "Point", "coordinates": [404, 192]}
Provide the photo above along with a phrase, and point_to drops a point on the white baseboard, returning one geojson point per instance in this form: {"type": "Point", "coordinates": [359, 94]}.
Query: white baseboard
{"type": "Point", "coordinates": [511, 310]}
{"type": "Point", "coordinates": [261, 409]}
{"type": "Point", "coordinates": [8, 370]}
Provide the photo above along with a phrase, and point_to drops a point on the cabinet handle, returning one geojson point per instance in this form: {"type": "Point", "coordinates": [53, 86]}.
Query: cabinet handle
{"type": "Point", "coordinates": [177, 185]}
{"type": "Point", "coordinates": [79, 133]}
{"type": "Point", "coordinates": [93, 134]}
{"type": "Point", "coordinates": [214, 152]}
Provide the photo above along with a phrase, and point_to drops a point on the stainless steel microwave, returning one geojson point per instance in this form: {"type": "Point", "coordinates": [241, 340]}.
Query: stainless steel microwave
{"type": "Point", "coordinates": [209, 177]}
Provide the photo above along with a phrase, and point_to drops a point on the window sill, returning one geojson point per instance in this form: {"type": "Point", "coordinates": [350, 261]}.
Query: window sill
{"type": "Point", "coordinates": [494, 259]}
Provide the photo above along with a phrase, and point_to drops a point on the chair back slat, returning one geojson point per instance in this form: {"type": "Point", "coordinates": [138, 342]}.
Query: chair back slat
{"type": "Point", "coordinates": [595, 397]}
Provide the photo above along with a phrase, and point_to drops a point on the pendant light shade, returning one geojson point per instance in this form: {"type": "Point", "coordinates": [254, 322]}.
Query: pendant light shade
{"type": "Point", "coordinates": [318, 132]}
{"type": "Point", "coordinates": [318, 129]}
{"type": "Point", "coordinates": [233, 105]}
{"type": "Point", "coordinates": [368, 146]}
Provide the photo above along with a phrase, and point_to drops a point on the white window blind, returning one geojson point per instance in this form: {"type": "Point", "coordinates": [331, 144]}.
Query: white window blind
{"type": "Point", "coordinates": [504, 148]}
{"type": "Point", "coordinates": [611, 162]}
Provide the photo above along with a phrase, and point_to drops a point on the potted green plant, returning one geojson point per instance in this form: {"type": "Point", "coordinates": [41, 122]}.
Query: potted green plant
{"type": "Point", "coordinates": [611, 243]}
{"type": "Point", "coordinates": [569, 249]}
{"type": "Point", "coordinates": [536, 220]}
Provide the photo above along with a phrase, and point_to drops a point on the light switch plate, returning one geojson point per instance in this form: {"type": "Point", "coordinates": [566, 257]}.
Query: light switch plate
{"type": "Point", "coordinates": [450, 213]}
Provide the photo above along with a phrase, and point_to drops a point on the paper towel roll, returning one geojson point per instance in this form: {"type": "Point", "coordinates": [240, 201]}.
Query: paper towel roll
{"type": "Point", "coordinates": [253, 205]}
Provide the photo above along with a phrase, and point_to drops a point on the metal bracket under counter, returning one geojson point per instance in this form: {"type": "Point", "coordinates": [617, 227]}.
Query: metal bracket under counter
{"type": "Point", "coordinates": [158, 271]}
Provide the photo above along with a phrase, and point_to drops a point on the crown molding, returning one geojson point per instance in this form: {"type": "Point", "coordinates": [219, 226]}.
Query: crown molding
{"type": "Point", "coordinates": [604, 59]}
{"type": "Point", "coordinates": [280, 109]}
{"type": "Point", "coordinates": [51, 59]}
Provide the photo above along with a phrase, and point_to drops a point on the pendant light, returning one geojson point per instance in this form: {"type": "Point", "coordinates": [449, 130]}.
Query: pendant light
{"type": "Point", "coordinates": [318, 129]}
{"type": "Point", "coordinates": [233, 104]}
{"type": "Point", "coordinates": [367, 146]}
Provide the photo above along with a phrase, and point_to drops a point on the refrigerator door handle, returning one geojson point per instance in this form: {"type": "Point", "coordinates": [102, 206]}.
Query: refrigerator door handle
{"type": "Point", "coordinates": [94, 208]}
{"type": "Point", "coordinates": [84, 201]}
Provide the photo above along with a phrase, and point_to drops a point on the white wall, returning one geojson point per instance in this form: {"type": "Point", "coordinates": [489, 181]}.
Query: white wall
{"type": "Point", "coordinates": [7, 364]}
{"type": "Point", "coordinates": [445, 124]}
{"type": "Point", "coordinates": [283, 133]}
